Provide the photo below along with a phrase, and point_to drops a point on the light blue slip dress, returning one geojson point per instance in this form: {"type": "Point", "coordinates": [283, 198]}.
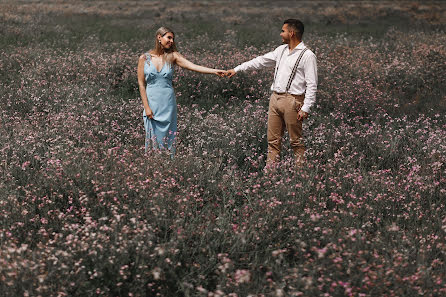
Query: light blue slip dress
{"type": "Point", "coordinates": [161, 130]}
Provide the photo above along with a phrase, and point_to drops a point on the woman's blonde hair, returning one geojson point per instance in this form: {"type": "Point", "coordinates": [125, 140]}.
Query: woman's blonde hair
{"type": "Point", "coordinates": [159, 50]}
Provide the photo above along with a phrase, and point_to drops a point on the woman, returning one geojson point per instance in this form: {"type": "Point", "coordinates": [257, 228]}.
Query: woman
{"type": "Point", "coordinates": [155, 71]}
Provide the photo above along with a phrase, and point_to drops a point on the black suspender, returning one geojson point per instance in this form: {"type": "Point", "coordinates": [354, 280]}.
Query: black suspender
{"type": "Point", "coordinates": [277, 67]}
{"type": "Point", "coordinates": [293, 73]}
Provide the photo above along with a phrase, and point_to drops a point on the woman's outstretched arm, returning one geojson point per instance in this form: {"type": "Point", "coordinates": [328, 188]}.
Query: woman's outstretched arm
{"type": "Point", "coordinates": [184, 63]}
{"type": "Point", "coordinates": [142, 86]}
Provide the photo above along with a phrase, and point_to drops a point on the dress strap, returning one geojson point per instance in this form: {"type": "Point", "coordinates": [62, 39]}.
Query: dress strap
{"type": "Point", "coordinates": [148, 57]}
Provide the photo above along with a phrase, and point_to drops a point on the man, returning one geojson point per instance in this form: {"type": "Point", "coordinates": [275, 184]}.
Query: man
{"type": "Point", "coordinates": [294, 89]}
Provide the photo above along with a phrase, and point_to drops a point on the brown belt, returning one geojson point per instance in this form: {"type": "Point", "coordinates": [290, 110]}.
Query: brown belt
{"type": "Point", "coordinates": [297, 96]}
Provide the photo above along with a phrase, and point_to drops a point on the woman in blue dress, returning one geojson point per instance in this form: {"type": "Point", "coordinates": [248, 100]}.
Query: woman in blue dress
{"type": "Point", "coordinates": [155, 71]}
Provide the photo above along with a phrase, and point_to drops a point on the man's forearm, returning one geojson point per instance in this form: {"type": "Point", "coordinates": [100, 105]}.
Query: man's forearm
{"type": "Point", "coordinates": [260, 62]}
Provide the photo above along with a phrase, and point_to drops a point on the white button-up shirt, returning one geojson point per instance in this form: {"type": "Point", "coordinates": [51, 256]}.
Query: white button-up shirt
{"type": "Point", "coordinates": [305, 80]}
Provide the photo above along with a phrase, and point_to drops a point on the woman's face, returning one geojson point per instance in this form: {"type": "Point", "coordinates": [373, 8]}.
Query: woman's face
{"type": "Point", "coordinates": [166, 40]}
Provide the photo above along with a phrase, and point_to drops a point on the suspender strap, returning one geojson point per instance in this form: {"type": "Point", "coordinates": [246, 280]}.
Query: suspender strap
{"type": "Point", "coordinates": [293, 73]}
{"type": "Point", "coordinates": [277, 67]}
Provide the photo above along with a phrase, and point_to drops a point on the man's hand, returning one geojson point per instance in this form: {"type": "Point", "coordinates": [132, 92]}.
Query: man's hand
{"type": "Point", "coordinates": [230, 73]}
{"type": "Point", "coordinates": [301, 115]}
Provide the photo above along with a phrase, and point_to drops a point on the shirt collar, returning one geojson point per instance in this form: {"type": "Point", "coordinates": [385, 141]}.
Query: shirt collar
{"type": "Point", "coordinates": [300, 46]}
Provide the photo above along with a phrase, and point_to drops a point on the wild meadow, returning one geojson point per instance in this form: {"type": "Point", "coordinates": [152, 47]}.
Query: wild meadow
{"type": "Point", "coordinates": [85, 211]}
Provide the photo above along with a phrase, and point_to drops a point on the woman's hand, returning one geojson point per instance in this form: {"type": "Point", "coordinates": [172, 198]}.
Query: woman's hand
{"type": "Point", "coordinates": [149, 112]}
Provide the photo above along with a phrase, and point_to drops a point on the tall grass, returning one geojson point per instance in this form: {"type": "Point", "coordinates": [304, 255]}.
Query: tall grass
{"type": "Point", "coordinates": [86, 212]}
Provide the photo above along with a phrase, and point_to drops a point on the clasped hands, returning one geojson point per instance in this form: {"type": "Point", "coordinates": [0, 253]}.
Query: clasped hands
{"type": "Point", "coordinates": [225, 73]}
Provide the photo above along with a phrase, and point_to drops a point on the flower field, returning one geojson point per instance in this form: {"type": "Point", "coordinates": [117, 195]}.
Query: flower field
{"type": "Point", "coordinates": [85, 211]}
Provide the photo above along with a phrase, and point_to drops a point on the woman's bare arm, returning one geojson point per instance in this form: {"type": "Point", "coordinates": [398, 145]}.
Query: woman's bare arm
{"type": "Point", "coordinates": [142, 86]}
{"type": "Point", "coordinates": [186, 64]}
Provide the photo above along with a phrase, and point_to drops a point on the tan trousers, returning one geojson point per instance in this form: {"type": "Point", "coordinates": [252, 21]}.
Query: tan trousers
{"type": "Point", "coordinates": [282, 113]}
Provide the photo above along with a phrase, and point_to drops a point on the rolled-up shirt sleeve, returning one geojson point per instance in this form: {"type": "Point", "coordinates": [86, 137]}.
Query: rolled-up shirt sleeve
{"type": "Point", "coordinates": [310, 70]}
{"type": "Point", "coordinates": [265, 61]}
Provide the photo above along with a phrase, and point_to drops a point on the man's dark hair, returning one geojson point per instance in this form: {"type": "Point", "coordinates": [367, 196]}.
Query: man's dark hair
{"type": "Point", "coordinates": [295, 25]}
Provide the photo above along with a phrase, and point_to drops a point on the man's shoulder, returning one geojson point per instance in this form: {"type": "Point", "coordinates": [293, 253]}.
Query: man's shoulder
{"type": "Point", "coordinates": [309, 52]}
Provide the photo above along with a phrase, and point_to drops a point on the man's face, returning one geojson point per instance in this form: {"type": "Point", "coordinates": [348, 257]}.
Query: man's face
{"type": "Point", "coordinates": [286, 34]}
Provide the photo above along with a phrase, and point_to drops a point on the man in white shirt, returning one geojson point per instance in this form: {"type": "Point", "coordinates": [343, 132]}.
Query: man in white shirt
{"type": "Point", "coordinates": [294, 89]}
